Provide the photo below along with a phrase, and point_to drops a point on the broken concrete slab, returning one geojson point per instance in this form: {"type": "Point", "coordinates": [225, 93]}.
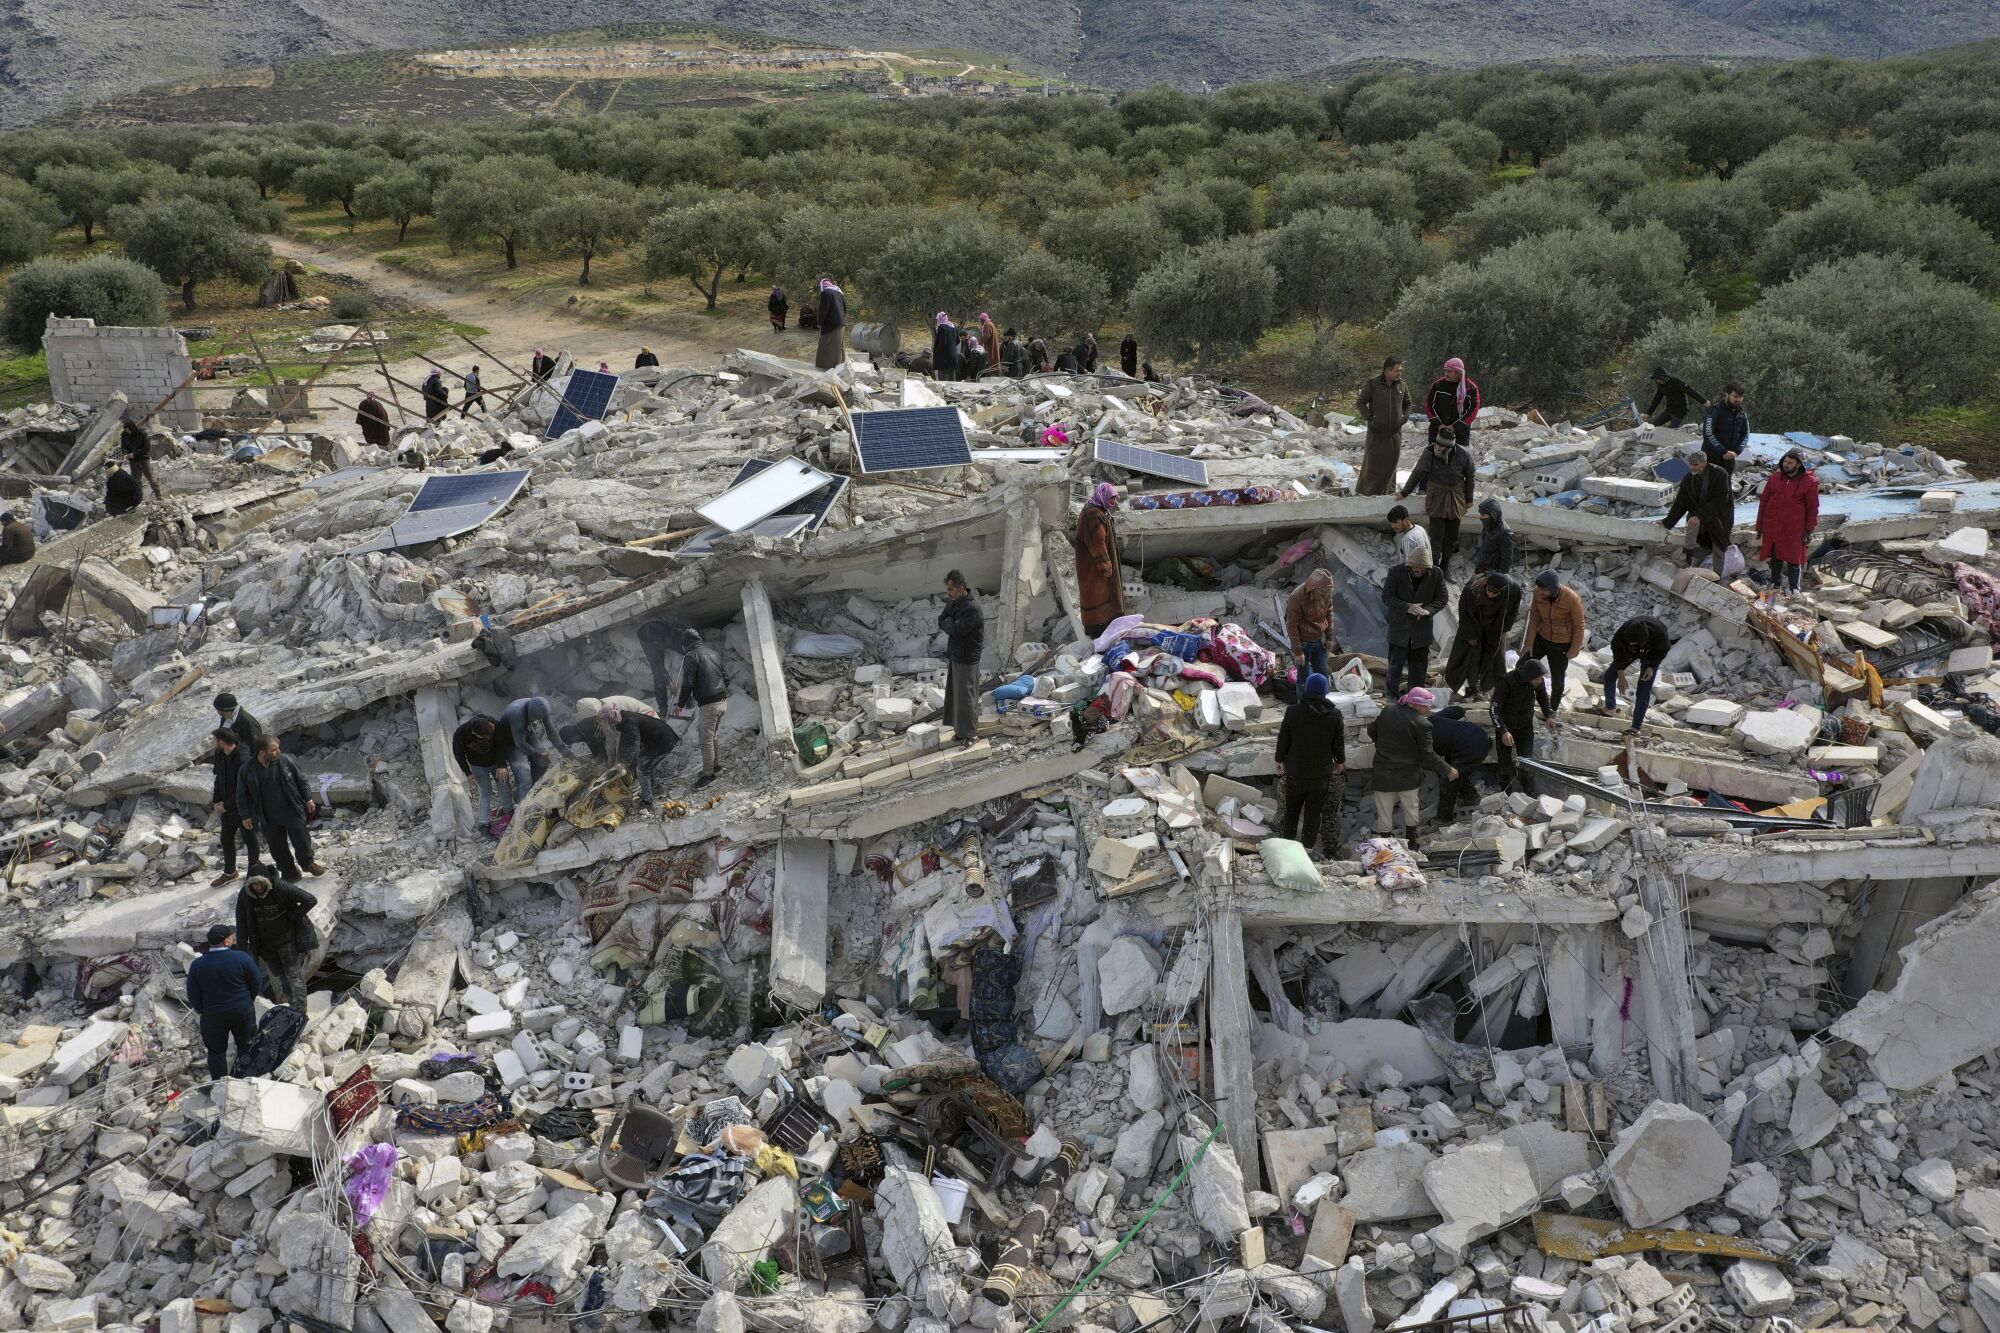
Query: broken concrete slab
{"type": "Point", "coordinates": [1665, 1162]}
{"type": "Point", "coordinates": [1940, 1013]}
{"type": "Point", "coordinates": [799, 922]}
{"type": "Point", "coordinates": [1386, 1183]}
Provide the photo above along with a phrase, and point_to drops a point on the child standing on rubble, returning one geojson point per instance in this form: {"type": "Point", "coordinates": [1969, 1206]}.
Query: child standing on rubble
{"type": "Point", "coordinates": [964, 629]}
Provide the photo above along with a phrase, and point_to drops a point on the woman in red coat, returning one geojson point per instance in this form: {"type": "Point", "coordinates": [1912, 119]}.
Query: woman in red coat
{"type": "Point", "coordinates": [1786, 517]}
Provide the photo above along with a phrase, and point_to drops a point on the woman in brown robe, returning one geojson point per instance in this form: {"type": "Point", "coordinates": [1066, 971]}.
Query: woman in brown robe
{"type": "Point", "coordinates": [1100, 583]}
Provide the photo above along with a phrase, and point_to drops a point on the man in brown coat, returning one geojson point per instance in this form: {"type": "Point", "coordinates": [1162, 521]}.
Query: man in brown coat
{"type": "Point", "coordinates": [1309, 623]}
{"type": "Point", "coordinates": [1556, 624]}
{"type": "Point", "coordinates": [1383, 406]}
{"type": "Point", "coordinates": [1444, 474]}
{"type": "Point", "coordinates": [1100, 584]}
{"type": "Point", "coordinates": [17, 540]}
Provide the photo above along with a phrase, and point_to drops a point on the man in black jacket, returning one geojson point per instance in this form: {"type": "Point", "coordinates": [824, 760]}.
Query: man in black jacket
{"type": "Point", "coordinates": [273, 798]}
{"type": "Point", "coordinates": [1411, 595]}
{"type": "Point", "coordinates": [1312, 749]}
{"type": "Point", "coordinates": [706, 689]}
{"type": "Point", "coordinates": [964, 629]}
{"type": "Point", "coordinates": [1671, 393]}
{"type": "Point", "coordinates": [1496, 541]}
{"type": "Point", "coordinates": [1706, 496]}
{"type": "Point", "coordinates": [481, 748]}
{"type": "Point", "coordinates": [1464, 746]}
{"type": "Point", "coordinates": [230, 756]}
{"type": "Point", "coordinates": [1642, 641]}
{"type": "Point", "coordinates": [137, 447]}
{"type": "Point", "coordinates": [1487, 608]}
{"type": "Point", "coordinates": [437, 398]}
{"type": "Point", "coordinates": [273, 926]}
{"type": "Point", "coordinates": [1520, 695]}
{"type": "Point", "coordinates": [1726, 429]}
{"type": "Point", "coordinates": [121, 491]}
{"type": "Point", "coordinates": [239, 720]}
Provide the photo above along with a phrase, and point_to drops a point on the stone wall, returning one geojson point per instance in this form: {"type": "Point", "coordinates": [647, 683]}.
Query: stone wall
{"type": "Point", "coordinates": [88, 364]}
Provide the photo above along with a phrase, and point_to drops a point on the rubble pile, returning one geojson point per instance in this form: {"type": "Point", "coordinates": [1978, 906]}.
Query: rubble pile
{"type": "Point", "coordinates": [1040, 1026]}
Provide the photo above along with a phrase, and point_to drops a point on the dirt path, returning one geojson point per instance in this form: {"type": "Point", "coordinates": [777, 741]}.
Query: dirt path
{"type": "Point", "coordinates": [514, 328]}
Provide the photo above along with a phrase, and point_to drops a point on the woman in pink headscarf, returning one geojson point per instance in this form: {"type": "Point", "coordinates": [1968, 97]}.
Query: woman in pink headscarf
{"type": "Point", "coordinates": [1452, 403]}
{"type": "Point", "coordinates": [1100, 583]}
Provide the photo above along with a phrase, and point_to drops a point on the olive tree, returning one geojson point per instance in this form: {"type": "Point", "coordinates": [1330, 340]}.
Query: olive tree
{"type": "Point", "coordinates": [493, 198]}
{"type": "Point", "coordinates": [1796, 376]}
{"type": "Point", "coordinates": [1723, 131]}
{"type": "Point", "coordinates": [587, 216]}
{"type": "Point", "coordinates": [1519, 211]}
{"type": "Point", "coordinates": [110, 289]}
{"type": "Point", "coordinates": [1056, 298]}
{"type": "Point", "coordinates": [1120, 242]}
{"type": "Point", "coordinates": [28, 221]}
{"type": "Point", "coordinates": [399, 195]}
{"type": "Point", "coordinates": [1539, 121]}
{"type": "Point", "coordinates": [1209, 302]}
{"type": "Point", "coordinates": [188, 241]}
{"type": "Point", "coordinates": [949, 261]}
{"type": "Point", "coordinates": [1856, 222]}
{"type": "Point", "coordinates": [1339, 265]}
{"type": "Point", "coordinates": [702, 240]}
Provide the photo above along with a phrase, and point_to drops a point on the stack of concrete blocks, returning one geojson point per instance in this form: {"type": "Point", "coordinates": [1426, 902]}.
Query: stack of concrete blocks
{"type": "Point", "coordinates": [88, 364]}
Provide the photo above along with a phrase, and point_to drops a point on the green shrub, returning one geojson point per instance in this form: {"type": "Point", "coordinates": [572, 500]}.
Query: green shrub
{"type": "Point", "coordinates": [110, 289]}
{"type": "Point", "coordinates": [1209, 302]}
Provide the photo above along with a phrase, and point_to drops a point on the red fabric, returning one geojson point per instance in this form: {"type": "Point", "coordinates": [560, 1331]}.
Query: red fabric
{"type": "Point", "coordinates": [1786, 515]}
{"type": "Point", "coordinates": [356, 1098]}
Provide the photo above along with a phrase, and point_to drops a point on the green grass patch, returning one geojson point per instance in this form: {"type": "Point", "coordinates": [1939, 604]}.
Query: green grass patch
{"type": "Point", "coordinates": [1730, 295]}
{"type": "Point", "coordinates": [1971, 433]}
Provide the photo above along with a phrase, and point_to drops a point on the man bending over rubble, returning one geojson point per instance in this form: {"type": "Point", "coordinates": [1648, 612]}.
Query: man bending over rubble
{"type": "Point", "coordinates": [1403, 750]}
{"type": "Point", "coordinates": [273, 924]}
{"type": "Point", "coordinates": [522, 718]}
{"type": "Point", "coordinates": [638, 741]}
{"type": "Point", "coordinates": [1309, 623]}
{"type": "Point", "coordinates": [1643, 641]}
{"type": "Point", "coordinates": [964, 629]}
{"type": "Point", "coordinates": [481, 749]}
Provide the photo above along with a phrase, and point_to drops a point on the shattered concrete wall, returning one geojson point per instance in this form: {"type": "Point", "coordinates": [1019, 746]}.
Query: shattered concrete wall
{"type": "Point", "coordinates": [88, 364]}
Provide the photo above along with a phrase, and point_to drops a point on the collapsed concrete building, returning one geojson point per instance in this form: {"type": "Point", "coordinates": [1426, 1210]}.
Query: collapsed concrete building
{"type": "Point", "coordinates": [881, 1033]}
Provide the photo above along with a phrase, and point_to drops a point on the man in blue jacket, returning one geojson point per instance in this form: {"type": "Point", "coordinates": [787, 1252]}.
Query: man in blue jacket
{"type": "Point", "coordinates": [223, 985]}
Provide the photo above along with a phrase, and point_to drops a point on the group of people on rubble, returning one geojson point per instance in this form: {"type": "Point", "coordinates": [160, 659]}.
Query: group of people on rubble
{"type": "Point", "coordinates": [966, 350]}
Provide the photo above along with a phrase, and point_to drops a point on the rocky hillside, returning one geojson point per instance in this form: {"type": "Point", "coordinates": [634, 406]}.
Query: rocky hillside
{"type": "Point", "coordinates": [55, 53]}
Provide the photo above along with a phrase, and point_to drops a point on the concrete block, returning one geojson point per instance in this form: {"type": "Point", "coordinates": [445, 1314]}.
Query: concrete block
{"type": "Point", "coordinates": [1713, 713]}
{"type": "Point", "coordinates": [1127, 972]}
{"type": "Point", "coordinates": [1114, 858]}
{"type": "Point", "coordinates": [489, 1025]}
{"type": "Point", "coordinates": [1757, 1288]}
{"type": "Point", "coordinates": [1670, 1159]}
{"type": "Point", "coordinates": [1782, 732]}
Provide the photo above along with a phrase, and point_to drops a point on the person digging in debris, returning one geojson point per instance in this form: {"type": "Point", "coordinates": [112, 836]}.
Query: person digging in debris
{"type": "Point", "coordinates": [230, 756]}
{"type": "Point", "coordinates": [1100, 583]}
{"type": "Point", "coordinates": [230, 714]}
{"type": "Point", "coordinates": [475, 394]}
{"type": "Point", "coordinates": [1726, 429]}
{"type": "Point", "coordinates": [1309, 622]}
{"type": "Point", "coordinates": [1707, 498]}
{"type": "Point", "coordinates": [704, 688]}
{"type": "Point", "coordinates": [964, 629]}
{"type": "Point", "coordinates": [1312, 751]}
{"type": "Point", "coordinates": [1556, 624]}
{"type": "Point", "coordinates": [1452, 403]}
{"type": "Point", "coordinates": [137, 446]}
{"type": "Point", "coordinates": [437, 398]}
{"type": "Point", "coordinates": [17, 540]}
{"type": "Point", "coordinates": [273, 798]}
{"type": "Point", "coordinates": [373, 417]}
{"type": "Point", "coordinates": [832, 326]}
{"type": "Point", "coordinates": [1642, 641]}
{"type": "Point", "coordinates": [779, 306]}
{"type": "Point", "coordinates": [482, 748]}
{"type": "Point", "coordinates": [1383, 406]}
{"type": "Point", "coordinates": [121, 490]}
{"type": "Point", "coordinates": [1496, 541]}
{"type": "Point", "coordinates": [531, 722]}
{"type": "Point", "coordinates": [222, 988]}
{"type": "Point", "coordinates": [1787, 514]}
{"type": "Point", "coordinates": [1671, 393]}
{"type": "Point", "coordinates": [1403, 750]}
{"type": "Point", "coordinates": [1412, 596]}
{"type": "Point", "coordinates": [639, 743]}
{"type": "Point", "coordinates": [273, 924]}
{"type": "Point", "coordinates": [1487, 608]}
{"type": "Point", "coordinates": [1521, 694]}
{"type": "Point", "coordinates": [1444, 473]}
{"type": "Point", "coordinates": [1464, 746]}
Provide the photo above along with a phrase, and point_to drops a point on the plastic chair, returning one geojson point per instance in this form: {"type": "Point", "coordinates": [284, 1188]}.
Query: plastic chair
{"type": "Point", "coordinates": [637, 1145]}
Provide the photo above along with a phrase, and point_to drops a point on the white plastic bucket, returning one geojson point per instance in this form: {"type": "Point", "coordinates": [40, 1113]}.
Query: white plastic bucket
{"type": "Point", "coordinates": [951, 1192]}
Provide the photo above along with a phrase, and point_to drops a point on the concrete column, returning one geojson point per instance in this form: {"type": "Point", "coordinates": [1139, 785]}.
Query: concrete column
{"type": "Point", "coordinates": [1021, 573]}
{"type": "Point", "coordinates": [1230, 1022]}
{"type": "Point", "coordinates": [767, 661]}
{"type": "Point", "coordinates": [1059, 564]}
{"type": "Point", "coordinates": [1663, 980]}
{"type": "Point", "coordinates": [451, 804]}
{"type": "Point", "coordinates": [798, 922]}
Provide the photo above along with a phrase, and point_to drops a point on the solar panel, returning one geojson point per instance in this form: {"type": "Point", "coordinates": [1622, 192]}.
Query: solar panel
{"type": "Point", "coordinates": [1134, 458]}
{"type": "Point", "coordinates": [584, 398]}
{"type": "Point", "coordinates": [910, 439]}
{"type": "Point", "coordinates": [762, 494]}
{"type": "Point", "coordinates": [817, 505]}
{"type": "Point", "coordinates": [446, 506]}
{"type": "Point", "coordinates": [777, 525]}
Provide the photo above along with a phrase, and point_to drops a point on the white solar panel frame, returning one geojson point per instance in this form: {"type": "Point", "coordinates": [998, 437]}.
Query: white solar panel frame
{"type": "Point", "coordinates": [762, 494]}
{"type": "Point", "coordinates": [774, 525]}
